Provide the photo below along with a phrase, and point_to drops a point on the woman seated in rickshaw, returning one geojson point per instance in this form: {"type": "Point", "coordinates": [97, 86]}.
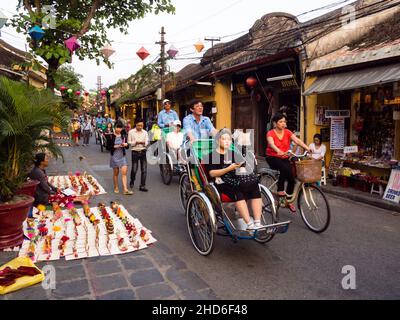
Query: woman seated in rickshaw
{"type": "Point", "coordinates": [221, 166]}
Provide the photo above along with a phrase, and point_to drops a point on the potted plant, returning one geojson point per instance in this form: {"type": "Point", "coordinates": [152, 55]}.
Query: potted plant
{"type": "Point", "coordinates": [25, 115]}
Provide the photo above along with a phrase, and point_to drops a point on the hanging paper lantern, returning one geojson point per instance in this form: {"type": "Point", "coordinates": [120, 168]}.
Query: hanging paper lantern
{"type": "Point", "coordinates": [110, 91]}
{"type": "Point", "coordinates": [69, 91]}
{"type": "Point", "coordinates": [172, 52]}
{"type": "Point", "coordinates": [143, 53]}
{"type": "Point", "coordinates": [36, 33]}
{"type": "Point", "coordinates": [251, 82]}
{"type": "Point", "coordinates": [78, 93]}
{"type": "Point", "coordinates": [3, 19]}
{"type": "Point", "coordinates": [199, 46]}
{"type": "Point", "coordinates": [72, 44]}
{"type": "Point", "coordinates": [103, 92]}
{"type": "Point", "coordinates": [86, 93]}
{"type": "Point", "coordinates": [107, 51]}
{"type": "Point", "coordinates": [62, 88]}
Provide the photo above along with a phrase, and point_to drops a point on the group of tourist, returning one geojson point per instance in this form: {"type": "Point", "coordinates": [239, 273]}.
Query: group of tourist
{"type": "Point", "coordinates": [195, 126]}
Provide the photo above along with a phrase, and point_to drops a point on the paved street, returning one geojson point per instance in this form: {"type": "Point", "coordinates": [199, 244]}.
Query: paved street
{"type": "Point", "coordinates": [295, 265]}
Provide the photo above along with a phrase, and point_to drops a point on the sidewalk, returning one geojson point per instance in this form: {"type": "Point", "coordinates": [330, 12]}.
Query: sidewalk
{"type": "Point", "coordinates": [150, 274]}
{"type": "Point", "coordinates": [351, 194]}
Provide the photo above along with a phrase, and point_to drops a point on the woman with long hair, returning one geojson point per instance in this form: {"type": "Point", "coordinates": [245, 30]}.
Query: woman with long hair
{"type": "Point", "coordinates": [279, 139]}
{"type": "Point", "coordinates": [118, 144]}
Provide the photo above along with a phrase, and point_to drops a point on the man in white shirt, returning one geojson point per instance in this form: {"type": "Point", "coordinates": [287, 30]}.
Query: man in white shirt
{"type": "Point", "coordinates": [174, 140]}
{"type": "Point", "coordinates": [138, 139]}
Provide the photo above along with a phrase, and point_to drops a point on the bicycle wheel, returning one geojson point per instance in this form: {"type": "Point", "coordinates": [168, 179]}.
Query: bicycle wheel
{"type": "Point", "coordinates": [270, 182]}
{"type": "Point", "coordinates": [184, 190]}
{"type": "Point", "coordinates": [166, 172]}
{"type": "Point", "coordinates": [101, 144]}
{"type": "Point", "coordinates": [314, 208]}
{"type": "Point", "coordinates": [268, 217]}
{"type": "Point", "coordinates": [200, 225]}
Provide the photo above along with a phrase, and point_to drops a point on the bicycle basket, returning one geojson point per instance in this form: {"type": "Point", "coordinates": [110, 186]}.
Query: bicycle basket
{"type": "Point", "coordinates": [309, 170]}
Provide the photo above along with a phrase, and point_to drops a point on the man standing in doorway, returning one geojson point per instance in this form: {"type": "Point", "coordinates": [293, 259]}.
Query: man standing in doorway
{"type": "Point", "coordinates": [167, 116]}
{"type": "Point", "coordinates": [196, 125]}
{"type": "Point", "coordinates": [138, 139]}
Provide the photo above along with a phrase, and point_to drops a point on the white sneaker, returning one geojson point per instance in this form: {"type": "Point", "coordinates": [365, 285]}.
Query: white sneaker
{"type": "Point", "coordinates": [259, 225]}
{"type": "Point", "coordinates": [251, 227]}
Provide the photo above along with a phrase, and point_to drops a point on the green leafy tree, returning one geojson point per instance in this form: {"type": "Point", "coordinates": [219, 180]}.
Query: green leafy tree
{"type": "Point", "coordinates": [88, 20]}
{"type": "Point", "coordinates": [66, 76]}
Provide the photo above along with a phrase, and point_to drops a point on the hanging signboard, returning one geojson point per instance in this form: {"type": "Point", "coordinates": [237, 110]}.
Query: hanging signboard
{"type": "Point", "coordinates": [351, 149]}
{"type": "Point", "coordinates": [392, 192]}
{"type": "Point", "coordinates": [337, 114]}
{"type": "Point", "coordinates": [337, 134]}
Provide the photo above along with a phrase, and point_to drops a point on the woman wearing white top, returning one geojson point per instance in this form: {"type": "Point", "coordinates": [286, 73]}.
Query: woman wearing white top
{"type": "Point", "coordinates": [174, 140]}
{"type": "Point", "coordinates": [317, 148]}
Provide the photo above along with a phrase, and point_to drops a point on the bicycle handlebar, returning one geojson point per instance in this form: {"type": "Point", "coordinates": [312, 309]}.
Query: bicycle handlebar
{"type": "Point", "coordinates": [305, 154]}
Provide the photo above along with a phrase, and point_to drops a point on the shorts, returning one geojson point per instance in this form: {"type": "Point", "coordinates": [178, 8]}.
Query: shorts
{"type": "Point", "coordinates": [75, 135]}
{"type": "Point", "coordinates": [237, 194]}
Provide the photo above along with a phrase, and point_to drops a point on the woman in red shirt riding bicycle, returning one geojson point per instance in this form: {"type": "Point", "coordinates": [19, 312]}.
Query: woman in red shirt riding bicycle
{"type": "Point", "coordinates": [279, 139]}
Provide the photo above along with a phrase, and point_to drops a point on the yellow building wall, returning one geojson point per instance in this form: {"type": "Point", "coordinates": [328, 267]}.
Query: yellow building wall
{"type": "Point", "coordinates": [312, 101]}
{"type": "Point", "coordinates": [223, 99]}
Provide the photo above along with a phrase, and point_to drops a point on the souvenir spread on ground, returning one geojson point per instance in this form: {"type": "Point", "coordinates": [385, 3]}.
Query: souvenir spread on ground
{"type": "Point", "coordinates": [81, 184]}
{"type": "Point", "coordinates": [81, 233]}
{"type": "Point", "coordinates": [64, 144]}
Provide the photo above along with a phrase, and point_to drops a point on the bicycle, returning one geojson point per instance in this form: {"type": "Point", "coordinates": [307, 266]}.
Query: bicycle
{"type": "Point", "coordinates": [311, 201]}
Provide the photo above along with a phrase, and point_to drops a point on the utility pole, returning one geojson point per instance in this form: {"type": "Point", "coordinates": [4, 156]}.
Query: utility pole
{"type": "Point", "coordinates": [212, 39]}
{"type": "Point", "coordinates": [99, 106]}
{"type": "Point", "coordinates": [163, 62]}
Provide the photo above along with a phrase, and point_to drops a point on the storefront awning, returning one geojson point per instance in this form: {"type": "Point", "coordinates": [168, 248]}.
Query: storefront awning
{"type": "Point", "coordinates": [355, 79]}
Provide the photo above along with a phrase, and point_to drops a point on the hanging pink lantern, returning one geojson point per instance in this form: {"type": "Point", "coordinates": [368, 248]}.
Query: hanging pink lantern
{"type": "Point", "coordinates": [143, 53]}
{"type": "Point", "coordinates": [78, 93]}
{"type": "Point", "coordinates": [172, 52]}
{"type": "Point", "coordinates": [63, 88]}
{"type": "Point", "coordinates": [107, 51]}
{"type": "Point", "coordinates": [103, 92]}
{"type": "Point", "coordinates": [72, 44]}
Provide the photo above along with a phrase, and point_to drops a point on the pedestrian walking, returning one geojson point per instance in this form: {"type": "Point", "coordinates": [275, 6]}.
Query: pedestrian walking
{"type": "Point", "coordinates": [76, 131]}
{"type": "Point", "coordinates": [118, 145]}
{"type": "Point", "coordinates": [138, 139]}
{"type": "Point", "coordinates": [87, 128]}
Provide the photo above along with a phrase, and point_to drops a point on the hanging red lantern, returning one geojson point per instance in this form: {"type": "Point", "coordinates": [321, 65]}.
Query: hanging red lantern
{"type": "Point", "coordinates": [251, 82]}
{"type": "Point", "coordinates": [86, 93]}
{"type": "Point", "coordinates": [143, 53]}
{"type": "Point", "coordinates": [63, 88]}
{"type": "Point", "coordinates": [103, 92]}
{"type": "Point", "coordinates": [78, 93]}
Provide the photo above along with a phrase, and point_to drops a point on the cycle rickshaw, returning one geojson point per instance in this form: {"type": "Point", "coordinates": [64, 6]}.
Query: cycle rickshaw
{"type": "Point", "coordinates": [169, 167]}
{"type": "Point", "coordinates": [206, 210]}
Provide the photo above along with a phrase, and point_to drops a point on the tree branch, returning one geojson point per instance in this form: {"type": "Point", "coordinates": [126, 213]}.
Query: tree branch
{"type": "Point", "coordinates": [28, 7]}
{"type": "Point", "coordinates": [38, 6]}
{"type": "Point", "coordinates": [86, 24]}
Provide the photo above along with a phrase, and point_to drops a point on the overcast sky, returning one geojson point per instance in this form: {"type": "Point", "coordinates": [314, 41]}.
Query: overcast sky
{"type": "Point", "coordinates": [192, 21]}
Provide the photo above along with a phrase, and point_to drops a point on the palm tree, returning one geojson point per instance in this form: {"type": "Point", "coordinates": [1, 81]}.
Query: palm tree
{"type": "Point", "coordinates": [25, 115]}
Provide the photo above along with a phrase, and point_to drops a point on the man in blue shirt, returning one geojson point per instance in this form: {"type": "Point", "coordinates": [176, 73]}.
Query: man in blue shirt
{"type": "Point", "coordinates": [99, 120]}
{"type": "Point", "coordinates": [167, 116]}
{"type": "Point", "coordinates": [196, 125]}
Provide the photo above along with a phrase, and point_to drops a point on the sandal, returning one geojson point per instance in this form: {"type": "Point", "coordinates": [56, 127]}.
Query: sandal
{"type": "Point", "coordinates": [116, 191]}
{"type": "Point", "coordinates": [292, 208]}
{"type": "Point", "coordinates": [128, 193]}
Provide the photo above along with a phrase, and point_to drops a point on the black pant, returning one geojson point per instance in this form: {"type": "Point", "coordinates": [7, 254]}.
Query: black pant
{"type": "Point", "coordinates": [136, 157]}
{"type": "Point", "coordinates": [86, 136]}
{"type": "Point", "coordinates": [286, 174]}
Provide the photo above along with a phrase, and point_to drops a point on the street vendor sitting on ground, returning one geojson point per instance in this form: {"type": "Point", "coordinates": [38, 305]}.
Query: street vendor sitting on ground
{"type": "Point", "coordinates": [44, 189]}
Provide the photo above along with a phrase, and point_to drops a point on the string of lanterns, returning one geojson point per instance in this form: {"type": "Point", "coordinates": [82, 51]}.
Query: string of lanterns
{"type": "Point", "coordinates": [85, 93]}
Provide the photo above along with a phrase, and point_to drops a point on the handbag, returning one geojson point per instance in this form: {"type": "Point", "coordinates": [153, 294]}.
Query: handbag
{"type": "Point", "coordinates": [242, 181]}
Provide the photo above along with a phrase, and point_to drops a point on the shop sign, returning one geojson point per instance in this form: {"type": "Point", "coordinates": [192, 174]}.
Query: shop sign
{"type": "Point", "coordinates": [351, 149]}
{"type": "Point", "coordinates": [337, 114]}
{"type": "Point", "coordinates": [337, 133]}
{"type": "Point", "coordinates": [392, 192]}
